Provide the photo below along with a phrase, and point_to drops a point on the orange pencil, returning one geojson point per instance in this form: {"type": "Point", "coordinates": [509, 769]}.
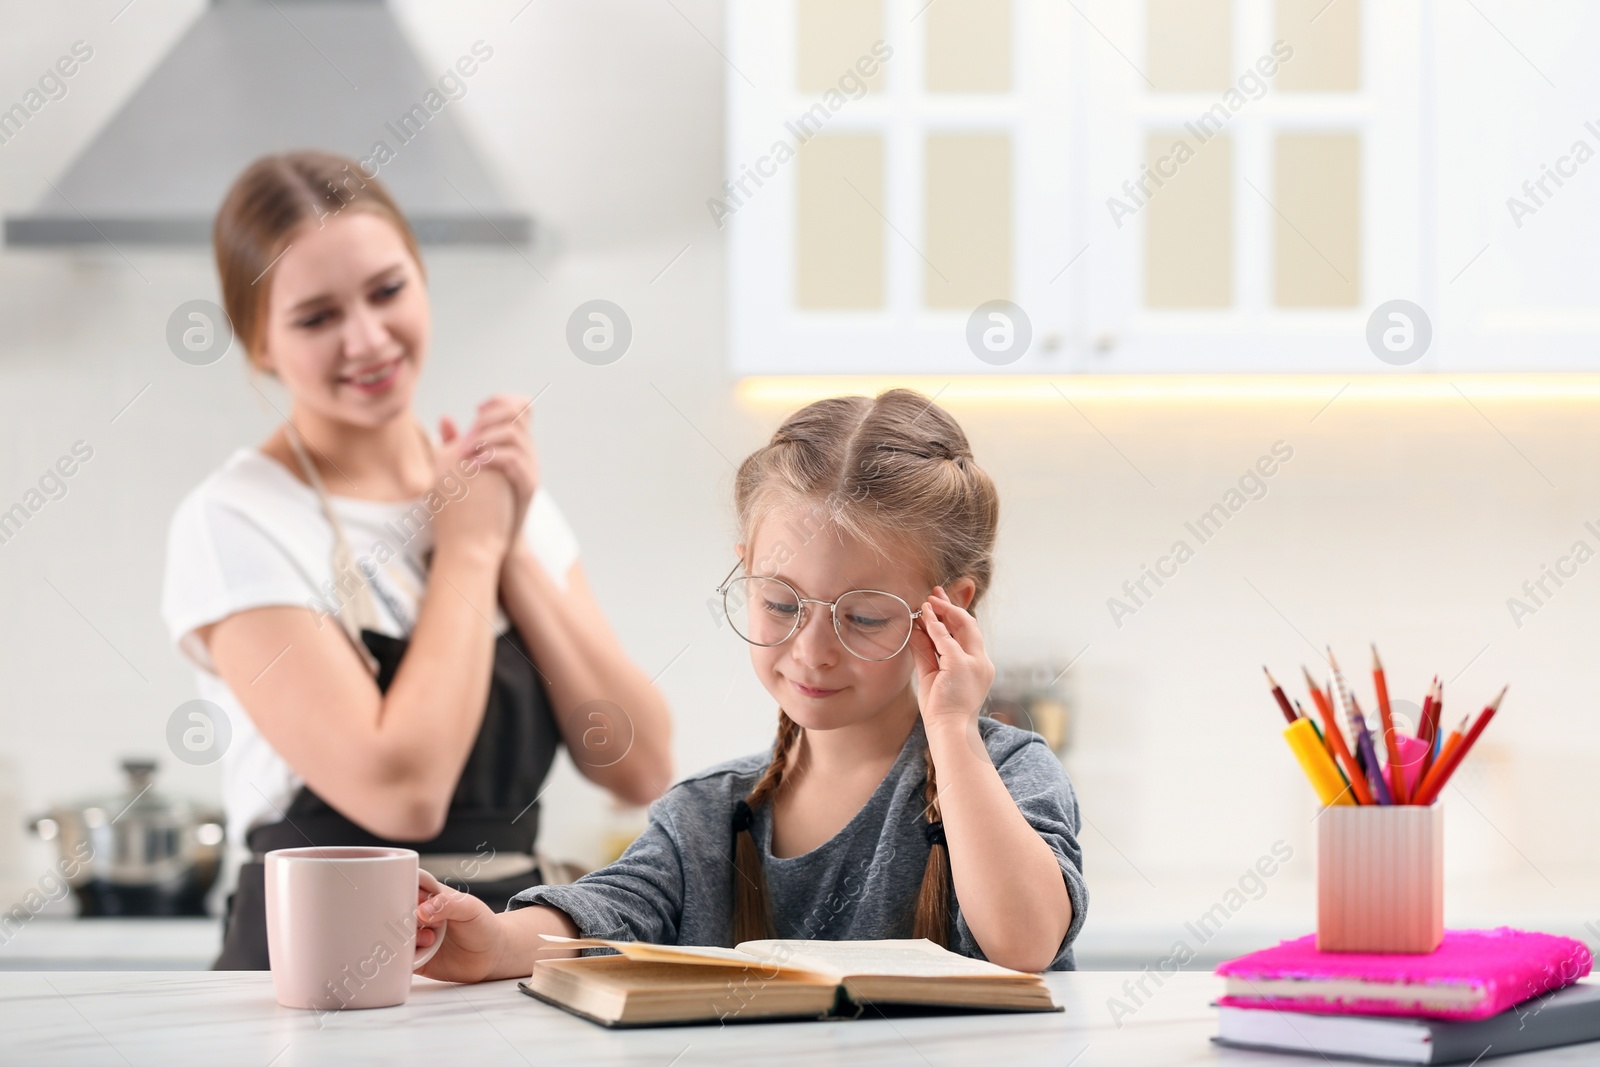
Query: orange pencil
{"type": "Point", "coordinates": [1327, 743]}
{"type": "Point", "coordinates": [1397, 778]}
{"type": "Point", "coordinates": [1448, 763]}
{"type": "Point", "coordinates": [1335, 738]}
{"type": "Point", "coordinates": [1451, 743]}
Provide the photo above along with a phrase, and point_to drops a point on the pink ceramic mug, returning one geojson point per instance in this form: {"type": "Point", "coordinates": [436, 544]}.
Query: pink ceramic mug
{"type": "Point", "coordinates": [342, 926]}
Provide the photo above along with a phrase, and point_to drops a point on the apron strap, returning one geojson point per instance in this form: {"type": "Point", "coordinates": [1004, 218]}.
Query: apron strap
{"type": "Point", "coordinates": [359, 613]}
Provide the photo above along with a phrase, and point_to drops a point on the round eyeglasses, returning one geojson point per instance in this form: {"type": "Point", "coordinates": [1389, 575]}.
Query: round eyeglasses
{"type": "Point", "coordinates": [871, 624]}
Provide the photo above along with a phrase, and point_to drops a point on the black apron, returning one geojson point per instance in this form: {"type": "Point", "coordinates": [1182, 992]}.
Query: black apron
{"type": "Point", "coordinates": [495, 805]}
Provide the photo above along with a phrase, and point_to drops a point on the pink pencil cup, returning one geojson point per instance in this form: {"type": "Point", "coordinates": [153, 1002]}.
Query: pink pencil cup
{"type": "Point", "coordinates": [1380, 878]}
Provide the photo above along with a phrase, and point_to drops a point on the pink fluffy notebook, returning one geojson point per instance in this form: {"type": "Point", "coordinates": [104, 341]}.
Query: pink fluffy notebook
{"type": "Point", "coordinates": [1474, 974]}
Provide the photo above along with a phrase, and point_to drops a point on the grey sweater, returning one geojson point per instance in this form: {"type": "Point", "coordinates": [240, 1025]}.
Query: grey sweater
{"type": "Point", "coordinates": [674, 884]}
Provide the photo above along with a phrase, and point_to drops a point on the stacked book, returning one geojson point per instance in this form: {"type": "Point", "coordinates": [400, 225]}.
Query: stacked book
{"type": "Point", "coordinates": [1481, 994]}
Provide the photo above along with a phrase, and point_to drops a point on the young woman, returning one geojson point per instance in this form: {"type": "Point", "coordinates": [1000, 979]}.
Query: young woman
{"type": "Point", "coordinates": [398, 629]}
{"type": "Point", "coordinates": [887, 807]}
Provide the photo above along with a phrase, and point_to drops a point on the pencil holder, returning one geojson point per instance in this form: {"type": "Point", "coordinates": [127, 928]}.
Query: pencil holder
{"type": "Point", "coordinates": [1380, 878]}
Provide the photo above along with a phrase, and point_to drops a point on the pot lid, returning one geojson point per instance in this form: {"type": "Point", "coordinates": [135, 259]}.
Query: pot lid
{"type": "Point", "coordinates": [139, 800]}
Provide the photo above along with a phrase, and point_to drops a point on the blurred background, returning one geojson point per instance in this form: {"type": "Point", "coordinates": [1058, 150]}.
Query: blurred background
{"type": "Point", "coordinates": [1362, 269]}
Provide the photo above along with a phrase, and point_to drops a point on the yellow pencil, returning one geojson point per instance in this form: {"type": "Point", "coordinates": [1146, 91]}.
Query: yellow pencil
{"type": "Point", "coordinates": [1314, 760]}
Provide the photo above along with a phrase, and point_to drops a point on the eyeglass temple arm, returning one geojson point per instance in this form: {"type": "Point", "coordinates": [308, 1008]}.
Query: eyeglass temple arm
{"type": "Point", "coordinates": [729, 576]}
{"type": "Point", "coordinates": [722, 585]}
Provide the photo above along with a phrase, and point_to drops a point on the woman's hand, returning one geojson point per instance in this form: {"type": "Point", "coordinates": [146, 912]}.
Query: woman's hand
{"type": "Point", "coordinates": [500, 436]}
{"type": "Point", "coordinates": [480, 514]}
{"type": "Point", "coordinates": [472, 938]}
{"type": "Point", "coordinates": [953, 670]}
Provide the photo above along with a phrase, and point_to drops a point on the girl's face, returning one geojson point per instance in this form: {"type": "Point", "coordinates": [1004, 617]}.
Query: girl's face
{"type": "Point", "coordinates": [347, 319]}
{"type": "Point", "coordinates": [819, 683]}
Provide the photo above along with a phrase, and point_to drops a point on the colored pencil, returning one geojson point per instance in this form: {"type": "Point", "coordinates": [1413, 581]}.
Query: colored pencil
{"type": "Point", "coordinates": [1428, 729]}
{"type": "Point", "coordinates": [1355, 748]}
{"type": "Point", "coordinates": [1327, 746]}
{"type": "Point", "coordinates": [1335, 737]}
{"type": "Point", "coordinates": [1448, 765]}
{"type": "Point", "coordinates": [1363, 736]}
{"type": "Point", "coordinates": [1330, 786]}
{"type": "Point", "coordinates": [1369, 752]}
{"type": "Point", "coordinates": [1397, 779]}
{"type": "Point", "coordinates": [1448, 750]}
{"type": "Point", "coordinates": [1360, 776]}
{"type": "Point", "coordinates": [1430, 721]}
{"type": "Point", "coordinates": [1277, 694]}
{"type": "Point", "coordinates": [1438, 717]}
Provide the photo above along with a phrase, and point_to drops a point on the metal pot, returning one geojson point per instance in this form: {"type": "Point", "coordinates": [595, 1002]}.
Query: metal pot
{"type": "Point", "coordinates": [137, 853]}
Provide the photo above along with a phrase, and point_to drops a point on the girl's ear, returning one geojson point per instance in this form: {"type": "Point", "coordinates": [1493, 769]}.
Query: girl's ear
{"type": "Point", "coordinates": [261, 361]}
{"type": "Point", "coordinates": [961, 591]}
{"type": "Point", "coordinates": [739, 548]}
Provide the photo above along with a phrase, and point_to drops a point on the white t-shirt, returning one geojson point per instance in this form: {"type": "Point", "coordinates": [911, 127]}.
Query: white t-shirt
{"type": "Point", "coordinates": [253, 535]}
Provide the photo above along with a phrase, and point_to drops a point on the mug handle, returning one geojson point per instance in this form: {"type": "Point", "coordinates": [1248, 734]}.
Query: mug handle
{"type": "Point", "coordinates": [432, 885]}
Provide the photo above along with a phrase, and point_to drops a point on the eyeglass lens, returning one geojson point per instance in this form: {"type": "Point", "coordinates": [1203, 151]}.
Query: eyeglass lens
{"type": "Point", "coordinates": [765, 611]}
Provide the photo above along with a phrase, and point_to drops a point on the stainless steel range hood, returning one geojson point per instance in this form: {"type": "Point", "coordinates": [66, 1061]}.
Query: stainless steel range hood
{"type": "Point", "coordinates": [258, 76]}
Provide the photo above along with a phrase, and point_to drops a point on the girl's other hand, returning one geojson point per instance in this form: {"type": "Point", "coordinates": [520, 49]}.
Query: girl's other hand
{"type": "Point", "coordinates": [500, 436]}
{"type": "Point", "coordinates": [472, 938]}
{"type": "Point", "coordinates": [480, 504]}
{"type": "Point", "coordinates": [953, 670]}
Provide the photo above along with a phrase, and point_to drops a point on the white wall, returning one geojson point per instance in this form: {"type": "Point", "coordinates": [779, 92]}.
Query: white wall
{"type": "Point", "coordinates": [1408, 523]}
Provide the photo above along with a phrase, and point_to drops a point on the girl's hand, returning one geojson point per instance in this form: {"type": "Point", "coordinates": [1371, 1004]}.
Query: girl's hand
{"type": "Point", "coordinates": [480, 504]}
{"type": "Point", "coordinates": [953, 670]}
{"type": "Point", "coordinates": [500, 435]}
{"type": "Point", "coordinates": [472, 940]}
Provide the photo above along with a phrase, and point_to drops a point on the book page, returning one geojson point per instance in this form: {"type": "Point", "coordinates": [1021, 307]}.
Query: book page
{"type": "Point", "coordinates": [704, 955]}
{"type": "Point", "coordinates": [918, 958]}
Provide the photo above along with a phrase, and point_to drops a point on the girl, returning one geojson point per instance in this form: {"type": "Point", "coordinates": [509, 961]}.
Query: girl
{"type": "Point", "coordinates": [366, 605]}
{"type": "Point", "coordinates": [888, 807]}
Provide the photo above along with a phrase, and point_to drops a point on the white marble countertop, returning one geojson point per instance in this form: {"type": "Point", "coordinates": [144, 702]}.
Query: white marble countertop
{"type": "Point", "coordinates": [111, 944]}
{"type": "Point", "coordinates": [174, 1019]}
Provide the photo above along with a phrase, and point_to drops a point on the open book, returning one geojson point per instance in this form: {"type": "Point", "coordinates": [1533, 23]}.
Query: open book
{"type": "Point", "coordinates": [653, 985]}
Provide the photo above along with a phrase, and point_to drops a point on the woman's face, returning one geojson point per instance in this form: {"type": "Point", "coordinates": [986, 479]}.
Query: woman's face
{"type": "Point", "coordinates": [347, 319]}
{"type": "Point", "coordinates": [818, 682]}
